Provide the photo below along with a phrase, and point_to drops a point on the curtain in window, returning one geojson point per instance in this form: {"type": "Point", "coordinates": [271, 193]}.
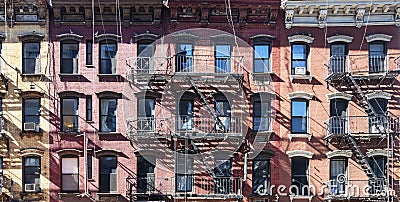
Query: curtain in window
{"type": "Point", "coordinates": [70, 174]}
{"type": "Point", "coordinates": [104, 113]}
{"type": "Point", "coordinates": [185, 115]}
{"type": "Point", "coordinates": [338, 175]}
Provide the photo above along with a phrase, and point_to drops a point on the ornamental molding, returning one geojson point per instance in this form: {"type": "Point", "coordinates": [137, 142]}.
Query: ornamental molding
{"type": "Point", "coordinates": [339, 153]}
{"type": "Point", "coordinates": [340, 38]}
{"type": "Point", "coordinates": [262, 38]}
{"type": "Point", "coordinates": [31, 152]}
{"type": "Point", "coordinates": [69, 36]}
{"type": "Point", "coordinates": [109, 94]}
{"type": "Point", "coordinates": [378, 152]}
{"type": "Point", "coordinates": [112, 37]}
{"type": "Point", "coordinates": [301, 38]}
{"type": "Point", "coordinates": [226, 38]}
{"type": "Point", "coordinates": [300, 153]}
{"type": "Point", "coordinates": [378, 37]}
{"type": "Point", "coordinates": [301, 95]}
{"type": "Point", "coordinates": [339, 95]}
{"type": "Point", "coordinates": [184, 37]}
{"type": "Point", "coordinates": [146, 36]}
{"type": "Point", "coordinates": [75, 152]}
{"type": "Point", "coordinates": [379, 94]}
{"type": "Point", "coordinates": [31, 36]}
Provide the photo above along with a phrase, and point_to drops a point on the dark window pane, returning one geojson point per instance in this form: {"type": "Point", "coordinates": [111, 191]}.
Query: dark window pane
{"type": "Point", "coordinates": [108, 109]}
{"type": "Point", "coordinates": [89, 51]}
{"type": "Point", "coordinates": [108, 170]}
{"type": "Point", "coordinates": [338, 107]}
{"type": "Point", "coordinates": [31, 58]}
{"type": "Point", "coordinates": [89, 108]}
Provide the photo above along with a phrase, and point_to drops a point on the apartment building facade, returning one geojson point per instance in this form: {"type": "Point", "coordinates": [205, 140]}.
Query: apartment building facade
{"type": "Point", "coordinates": [24, 101]}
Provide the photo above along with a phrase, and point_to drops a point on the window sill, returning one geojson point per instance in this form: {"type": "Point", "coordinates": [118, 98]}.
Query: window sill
{"type": "Point", "coordinates": [292, 197]}
{"type": "Point", "coordinates": [301, 77]}
{"type": "Point", "coordinates": [109, 133]}
{"type": "Point", "coordinates": [90, 66]}
{"type": "Point", "coordinates": [68, 194]}
{"type": "Point", "coordinates": [91, 180]}
{"type": "Point", "coordinates": [300, 135]}
{"type": "Point", "coordinates": [107, 195]}
{"type": "Point", "coordinates": [89, 121]}
{"type": "Point", "coordinates": [108, 75]}
{"type": "Point", "coordinates": [69, 75]}
{"type": "Point", "coordinates": [69, 133]}
{"type": "Point", "coordinates": [263, 73]}
{"type": "Point", "coordinates": [31, 133]}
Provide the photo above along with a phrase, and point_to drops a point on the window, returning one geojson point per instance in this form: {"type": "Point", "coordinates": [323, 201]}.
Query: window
{"type": "Point", "coordinates": [184, 173]}
{"type": "Point", "coordinates": [222, 58]}
{"type": "Point", "coordinates": [89, 52]}
{"type": "Point", "coordinates": [299, 116]}
{"type": "Point", "coordinates": [108, 115]}
{"type": "Point", "coordinates": [377, 57]}
{"type": "Point", "coordinates": [261, 58]}
{"type": "Point", "coordinates": [90, 166]}
{"type": "Point", "coordinates": [1, 165]}
{"type": "Point", "coordinates": [223, 172]}
{"type": "Point", "coordinates": [31, 111]}
{"type": "Point", "coordinates": [89, 114]}
{"type": "Point", "coordinates": [378, 165]}
{"type": "Point", "coordinates": [31, 174]}
{"type": "Point", "coordinates": [338, 58]}
{"type": "Point", "coordinates": [379, 121]}
{"type": "Point", "coordinates": [300, 176]}
{"type": "Point", "coordinates": [146, 115]}
{"type": "Point", "coordinates": [261, 175]}
{"type": "Point", "coordinates": [184, 58]}
{"type": "Point", "coordinates": [70, 173]}
{"type": "Point", "coordinates": [338, 116]}
{"type": "Point", "coordinates": [69, 114]}
{"type": "Point", "coordinates": [108, 174]}
{"type": "Point", "coordinates": [185, 115]}
{"type": "Point", "coordinates": [146, 174]}
{"type": "Point", "coordinates": [108, 62]}
{"type": "Point", "coordinates": [69, 57]}
{"type": "Point", "coordinates": [223, 112]}
{"type": "Point", "coordinates": [145, 53]}
{"type": "Point", "coordinates": [338, 175]}
{"type": "Point", "coordinates": [31, 58]}
{"type": "Point", "coordinates": [299, 58]}
{"type": "Point", "coordinates": [261, 115]}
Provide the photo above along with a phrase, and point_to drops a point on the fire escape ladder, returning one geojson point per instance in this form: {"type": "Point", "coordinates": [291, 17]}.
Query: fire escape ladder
{"type": "Point", "coordinates": [362, 99]}
{"type": "Point", "coordinates": [210, 110]}
{"type": "Point", "coordinates": [360, 157]}
{"type": "Point", "coordinates": [208, 167]}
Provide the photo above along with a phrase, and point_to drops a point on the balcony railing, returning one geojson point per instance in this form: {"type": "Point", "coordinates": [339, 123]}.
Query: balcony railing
{"type": "Point", "coordinates": [363, 63]}
{"type": "Point", "coordinates": [372, 188]}
{"type": "Point", "coordinates": [148, 126]}
{"type": "Point", "coordinates": [379, 124]}
{"type": "Point", "coordinates": [188, 64]}
{"type": "Point", "coordinates": [207, 125]}
{"type": "Point", "coordinates": [195, 186]}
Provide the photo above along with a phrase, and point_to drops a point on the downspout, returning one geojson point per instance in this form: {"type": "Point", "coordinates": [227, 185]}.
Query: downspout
{"type": "Point", "coordinates": [245, 162]}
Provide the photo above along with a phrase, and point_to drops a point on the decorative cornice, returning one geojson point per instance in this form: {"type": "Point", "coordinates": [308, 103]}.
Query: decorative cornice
{"type": "Point", "coordinates": [32, 94]}
{"type": "Point", "coordinates": [378, 37]}
{"type": "Point", "coordinates": [339, 153]}
{"type": "Point", "coordinates": [109, 94]}
{"type": "Point", "coordinates": [340, 38]}
{"type": "Point", "coordinates": [148, 93]}
{"type": "Point", "coordinates": [108, 152]}
{"type": "Point", "coordinates": [31, 152]}
{"type": "Point", "coordinates": [74, 94]}
{"type": "Point", "coordinates": [63, 152]}
{"type": "Point", "coordinates": [226, 38]}
{"type": "Point", "coordinates": [259, 38]}
{"type": "Point", "coordinates": [112, 37]}
{"type": "Point", "coordinates": [301, 95]}
{"type": "Point", "coordinates": [378, 152]}
{"type": "Point", "coordinates": [32, 36]}
{"type": "Point", "coordinates": [300, 153]}
{"type": "Point", "coordinates": [300, 38]}
{"type": "Point", "coordinates": [339, 95]}
{"type": "Point", "coordinates": [146, 36]}
{"type": "Point", "coordinates": [184, 37]}
{"type": "Point", "coordinates": [379, 94]}
{"type": "Point", "coordinates": [69, 36]}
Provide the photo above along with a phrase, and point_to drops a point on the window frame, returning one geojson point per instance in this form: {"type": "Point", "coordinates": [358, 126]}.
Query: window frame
{"type": "Point", "coordinates": [261, 58]}
{"type": "Point", "coordinates": [188, 174]}
{"type": "Point", "coordinates": [307, 52]}
{"type": "Point", "coordinates": [306, 175]}
{"type": "Point", "coordinates": [24, 172]}
{"type": "Point", "coordinates": [101, 58]}
{"type": "Point", "coordinates": [187, 57]}
{"type": "Point", "coordinates": [108, 116]}
{"type": "Point", "coordinates": [89, 52]}
{"type": "Point", "coordinates": [228, 59]}
{"type": "Point", "coordinates": [144, 176]}
{"type": "Point", "coordinates": [334, 179]}
{"type": "Point", "coordinates": [268, 177]}
{"type": "Point", "coordinates": [371, 59]}
{"type": "Point", "coordinates": [62, 68]}
{"type": "Point", "coordinates": [89, 162]}
{"type": "Point", "coordinates": [268, 116]}
{"type": "Point", "coordinates": [89, 108]}
{"type": "Point", "coordinates": [63, 174]}
{"type": "Point", "coordinates": [306, 117]}
{"type": "Point", "coordinates": [76, 116]}
{"type": "Point", "coordinates": [103, 189]}
{"type": "Point", "coordinates": [32, 115]}
{"type": "Point", "coordinates": [24, 58]}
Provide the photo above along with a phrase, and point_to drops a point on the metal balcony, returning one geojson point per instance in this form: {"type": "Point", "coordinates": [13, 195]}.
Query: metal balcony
{"type": "Point", "coordinates": [362, 125]}
{"type": "Point", "coordinates": [191, 186]}
{"type": "Point", "coordinates": [148, 127]}
{"type": "Point", "coordinates": [357, 189]}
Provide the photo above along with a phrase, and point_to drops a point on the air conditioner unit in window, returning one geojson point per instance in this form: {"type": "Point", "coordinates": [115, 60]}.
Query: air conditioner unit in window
{"type": "Point", "coordinates": [30, 126]}
{"type": "Point", "coordinates": [31, 187]}
{"type": "Point", "coordinates": [300, 70]}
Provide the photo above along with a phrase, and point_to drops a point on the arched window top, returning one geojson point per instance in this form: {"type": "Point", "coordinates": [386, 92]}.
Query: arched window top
{"type": "Point", "coordinates": [379, 94]}
{"type": "Point", "coordinates": [31, 36]}
{"type": "Point", "coordinates": [108, 152]}
{"type": "Point", "coordinates": [69, 36]}
{"type": "Point", "coordinates": [300, 95]}
{"type": "Point", "coordinates": [260, 38]}
{"type": "Point", "coordinates": [263, 96]}
{"type": "Point", "coordinates": [184, 37]}
{"type": "Point", "coordinates": [109, 94]}
{"type": "Point", "coordinates": [146, 37]}
{"type": "Point", "coordinates": [148, 93]}
{"type": "Point", "coordinates": [378, 37]}
{"type": "Point", "coordinates": [339, 153]}
{"type": "Point", "coordinates": [265, 155]}
{"type": "Point", "coordinates": [300, 153]}
{"type": "Point", "coordinates": [32, 94]}
{"type": "Point", "coordinates": [340, 38]}
{"type": "Point", "coordinates": [146, 152]}
{"type": "Point", "coordinates": [187, 95]}
{"type": "Point", "coordinates": [112, 37]}
{"type": "Point", "coordinates": [73, 152]}
{"type": "Point", "coordinates": [70, 94]}
{"type": "Point", "coordinates": [31, 152]}
{"type": "Point", "coordinates": [300, 38]}
{"type": "Point", "coordinates": [378, 152]}
{"type": "Point", "coordinates": [339, 95]}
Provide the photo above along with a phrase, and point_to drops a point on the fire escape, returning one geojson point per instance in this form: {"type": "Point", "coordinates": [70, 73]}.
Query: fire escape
{"type": "Point", "coordinates": [353, 75]}
{"type": "Point", "coordinates": [200, 73]}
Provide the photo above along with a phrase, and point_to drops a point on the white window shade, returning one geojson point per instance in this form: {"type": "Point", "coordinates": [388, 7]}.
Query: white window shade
{"type": "Point", "coordinates": [70, 166]}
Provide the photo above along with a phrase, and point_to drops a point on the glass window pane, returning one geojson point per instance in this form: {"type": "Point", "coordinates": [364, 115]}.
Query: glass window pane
{"type": "Point", "coordinates": [145, 50]}
{"type": "Point", "coordinates": [185, 48]}
{"type": "Point", "coordinates": [338, 107]}
{"type": "Point", "coordinates": [377, 48]}
{"type": "Point", "coordinates": [32, 106]}
{"type": "Point", "coordinates": [108, 50]}
{"type": "Point", "coordinates": [299, 51]}
{"type": "Point", "coordinates": [338, 49]}
{"type": "Point", "coordinates": [32, 161]}
{"type": "Point", "coordinates": [299, 108]}
{"type": "Point", "coordinates": [31, 50]}
{"type": "Point", "coordinates": [299, 125]}
{"type": "Point", "coordinates": [299, 166]}
{"type": "Point", "coordinates": [69, 166]}
{"type": "Point", "coordinates": [222, 50]}
{"type": "Point", "coordinates": [261, 51]}
{"type": "Point", "coordinates": [70, 182]}
{"type": "Point", "coordinates": [261, 65]}
{"type": "Point", "coordinates": [69, 50]}
{"type": "Point", "coordinates": [70, 107]}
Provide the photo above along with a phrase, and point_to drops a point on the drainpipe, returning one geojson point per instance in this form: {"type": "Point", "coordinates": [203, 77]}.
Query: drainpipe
{"type": "Point", "coordinates": [245, 162]}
